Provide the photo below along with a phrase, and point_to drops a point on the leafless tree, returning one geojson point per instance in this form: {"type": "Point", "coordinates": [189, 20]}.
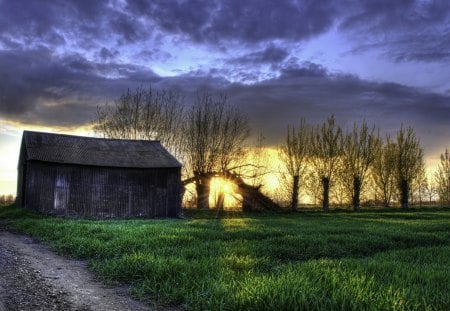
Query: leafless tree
{"type": "Point", "coordinates": [431, 190]}
{"type": "Point", "coordinates": [408, 163]}
{"type": "Point", "coordinates": [208, 137]}
{"type": "Point", "coordinates": [382, 170]}
{"type": "Point", "coordinates": [144, 114]}
{"type": "Point", "coordinates": [294, 154]}
{"type": "Point", "coordinates": [359, 148]}
{"type": "Point", "coordinates": [442, 178]}
{"type": "Point", "coordinates": [419, 185]}
{"type": "Point", "coordinates": [214, 134]}
{"type": "Point", "coordinates": [312, 186]}
{"type": "Point", "coordinates": [326, 143]}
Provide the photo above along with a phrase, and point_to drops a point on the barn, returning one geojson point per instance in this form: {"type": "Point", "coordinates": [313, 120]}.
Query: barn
{"type": "Point", "coordinates": [78, 176]}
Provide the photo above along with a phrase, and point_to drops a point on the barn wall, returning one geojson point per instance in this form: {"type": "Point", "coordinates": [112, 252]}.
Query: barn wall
{"type": "Point", "coordinates": [100, 192]}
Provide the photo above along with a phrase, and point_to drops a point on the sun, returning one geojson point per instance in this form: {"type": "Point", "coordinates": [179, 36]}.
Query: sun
{"type": "Point", "coordinates": [220, 185]}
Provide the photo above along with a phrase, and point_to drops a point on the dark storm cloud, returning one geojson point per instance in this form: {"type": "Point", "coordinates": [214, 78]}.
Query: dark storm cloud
{"type": "Point", "coordinates": [107, 54]}
{"type": "Point", "coordinates": [38, 87]}
{"type": "Point", "coordinates": [407, 30]}
{"type": "Point", "coordinates": [52, 23]}
{"type": "Point", "coordinates": [309, 90]}
{"type": "Point", "coordinates": [270, 55]}
{"type": "Point", "coordinates": [246, 21]}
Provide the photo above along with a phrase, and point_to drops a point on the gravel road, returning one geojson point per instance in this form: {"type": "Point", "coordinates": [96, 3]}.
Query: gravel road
{"type": "Point", "coordinates": [34, 278]}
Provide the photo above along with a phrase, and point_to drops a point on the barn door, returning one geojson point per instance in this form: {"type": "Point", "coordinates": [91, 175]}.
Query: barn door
{"type": "Point", "coordinates": [61, 196]}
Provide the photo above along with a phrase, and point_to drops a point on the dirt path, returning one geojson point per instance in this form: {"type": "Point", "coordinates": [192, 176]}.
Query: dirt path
{"type": "Point", "coordinates": [34, 278]}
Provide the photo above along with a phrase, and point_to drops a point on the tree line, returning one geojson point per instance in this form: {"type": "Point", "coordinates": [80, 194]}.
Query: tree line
{"type": "Point", "coordinates": [327, 153]}
{"type": "Point", "coordinates": [209, 137]}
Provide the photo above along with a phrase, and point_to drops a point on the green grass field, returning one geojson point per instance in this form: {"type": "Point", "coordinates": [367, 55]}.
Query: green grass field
{"type": "Point", "coordinates": [372, 260]}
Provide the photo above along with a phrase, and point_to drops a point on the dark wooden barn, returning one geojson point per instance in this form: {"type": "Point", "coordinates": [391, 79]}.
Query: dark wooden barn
{"type": "Point", "coordinates": [93, 177]}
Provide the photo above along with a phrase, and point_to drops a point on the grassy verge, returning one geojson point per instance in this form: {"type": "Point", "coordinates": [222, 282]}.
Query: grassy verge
{"type": "Point", "coordinates": [381, 260]}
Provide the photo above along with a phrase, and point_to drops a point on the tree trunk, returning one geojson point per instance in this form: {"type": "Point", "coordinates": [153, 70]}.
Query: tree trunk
{"type": "Point", "coordinates": [203, 190]}
{"type": "Point", "coordinates": [356, 193]}
{"type": "Point", "coordinates": [246, 203]}
{"type": "Point", "coordinates": [294, 204]}
{"type": "Point", "coordinates": [404, 193]}
{"type": "Point", "coordinates": [326, 193]}
{"type": "Point", "coordinates": [386, 197]}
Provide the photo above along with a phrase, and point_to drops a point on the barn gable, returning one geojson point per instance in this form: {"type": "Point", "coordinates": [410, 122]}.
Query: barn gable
{"type": "Point", "coordinates": [95, 177]}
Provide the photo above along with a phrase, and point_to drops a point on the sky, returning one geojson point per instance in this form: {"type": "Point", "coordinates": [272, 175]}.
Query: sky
{"type": "Point", "coordinates": [383, 61]}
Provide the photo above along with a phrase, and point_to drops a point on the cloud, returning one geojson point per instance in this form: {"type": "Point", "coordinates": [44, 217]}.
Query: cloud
{"type": "Point", "coordinates": [60, 59]}
{"type": "Point", "coordinates": [270, 55]}
{"type": "Point", "coordinates": [311, 91]}
{"type": "Point", "coordinates": [83, 24]}
{"type": "Point", "coordinates": [235, 20]}
{"type": "Point", "coordinates": [107, 54]}
{"type": "Point", "coordinates": [39, 87]}
{"type": "Point", "coordinates": [404, 30]}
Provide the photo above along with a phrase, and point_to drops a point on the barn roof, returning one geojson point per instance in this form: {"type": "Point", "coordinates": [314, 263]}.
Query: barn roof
{"type": "Point", "coordinates": [68, 149]}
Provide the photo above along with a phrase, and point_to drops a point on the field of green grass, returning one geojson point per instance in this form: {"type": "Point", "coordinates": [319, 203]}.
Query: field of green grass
{"type": "Point", "coordinates": [372, 260]}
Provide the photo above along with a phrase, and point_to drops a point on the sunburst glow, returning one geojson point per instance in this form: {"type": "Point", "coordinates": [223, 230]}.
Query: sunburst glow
{"type": "Point", "coordinates": [223, 187]}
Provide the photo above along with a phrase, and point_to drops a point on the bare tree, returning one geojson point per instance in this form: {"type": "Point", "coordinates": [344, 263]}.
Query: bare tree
{"type": "Point", "coordinates": [382, 170]}
{"type": "Point", "coordinates": [144, 114]}
{"type": "Point", "coordinates": [419, 185]}
{"type": "Point", "coordinates": [258, 157]}
{"type": "Point", "coordinates": [442, 178]}
{"type": "Point", "coordinates": [294, 154]}
{"type": "Point", "coordinates": [326, 143]}
{"type": "Point", "coordinates": [214, 136]}
{"type": "Point", "coordinates": [431, 190]}
{"type": "Point", "coordinates": [409, 162]}
{"type": "Point", "coordinates": [359, 148]}
{"type": "Point", "coordinates": [207, 138]}
{"type": "Point", "coordinates": [312, 186]}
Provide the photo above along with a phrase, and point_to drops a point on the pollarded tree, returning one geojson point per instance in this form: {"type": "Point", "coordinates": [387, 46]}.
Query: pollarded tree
{"type": "Point", "coordinates": [442, 178]}
{"type": "Point", "coordinates": [359, 152]}
{"type": "Point", "coordinates": [294, 154]}
{"type": "Point", "coordinates": [383, 170]}
{"type": "Point", "coordinates": [214, 134]}
{"type": "Point", "coordinates": [326, 149]}
{"type": "Point", "coordinates": [408, 163]}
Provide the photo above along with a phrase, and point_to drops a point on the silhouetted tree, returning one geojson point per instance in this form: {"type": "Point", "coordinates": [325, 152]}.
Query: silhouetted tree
{"type": "Point", "coordinates": [430, 190]}
{"type": "Point", "coordinates": [206, 138]}
{"type": "Point", "coordinates": [418, 191]}
{"type": "Point", "coordinates": [442, 177]}
{"type": "Point", "coordinates": [359, 152]}
{"type": "Point", "coordinates": [214, 134]}
{"type": "Point", "coordinates": [294, 154]}
{"type": "Point", "coordinates": [326, 144]}
{"type": "Point", "coordinates": [383, 170]}
{"type": "Point", "coordinates": [408, 162]}
{"type": "Point", "coordinates": [144, 114]}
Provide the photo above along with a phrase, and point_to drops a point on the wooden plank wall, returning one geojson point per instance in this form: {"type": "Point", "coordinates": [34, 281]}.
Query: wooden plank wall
{"type": "Point", "coordinates": [101, 192]}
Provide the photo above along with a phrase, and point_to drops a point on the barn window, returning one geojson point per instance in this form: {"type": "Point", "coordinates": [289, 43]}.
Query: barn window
{"type": "Point", "coordinates": [61, 192]}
